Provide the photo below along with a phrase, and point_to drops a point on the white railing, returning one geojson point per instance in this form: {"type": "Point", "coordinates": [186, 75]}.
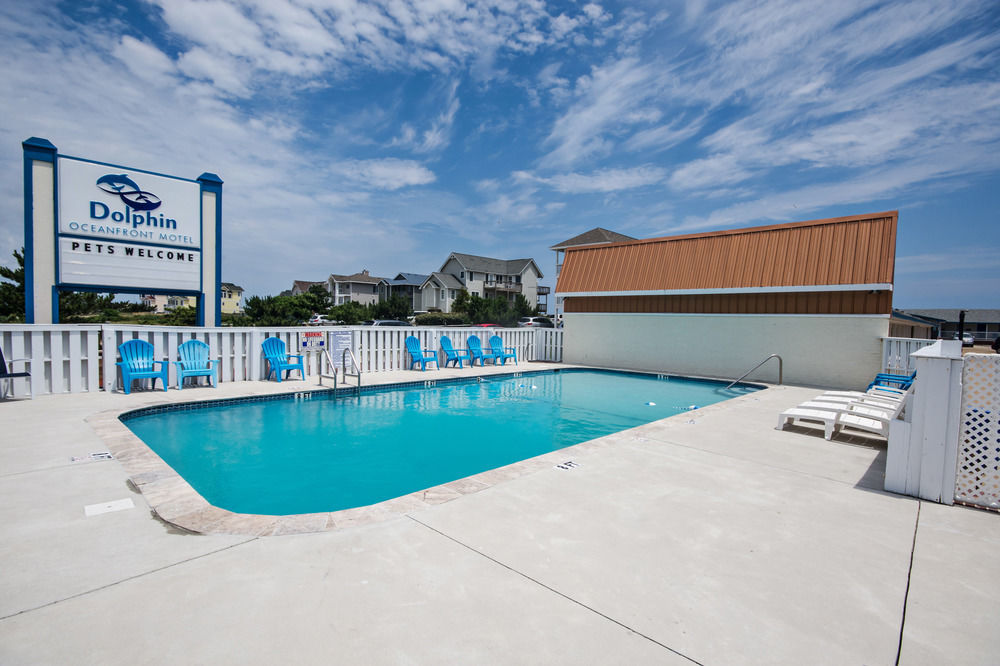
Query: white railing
{"type": "Point", "coordinates": [66, 358]}
{"type": "Point", "coordinates": [896, 353]}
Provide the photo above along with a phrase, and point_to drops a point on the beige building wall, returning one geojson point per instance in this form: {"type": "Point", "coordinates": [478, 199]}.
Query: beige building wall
{"type": "Point", "coordinates": [836, 351]}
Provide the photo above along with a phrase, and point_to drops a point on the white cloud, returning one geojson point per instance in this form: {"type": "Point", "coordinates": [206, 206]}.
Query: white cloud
{"type": "Point", "coordinates": [438, 134]}
{"type": "Point", "coordinates": [605, 97]}
{"type": "Point", "coordinates": [385, 174]}
{"type": "Point", "coordinates": [976, 258]}
{"type": "Point", "coordinates": [604, 180]}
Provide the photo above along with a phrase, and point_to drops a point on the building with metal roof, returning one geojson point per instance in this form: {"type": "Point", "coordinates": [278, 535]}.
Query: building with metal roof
{"type": "Point", "coordinates": [818, 293]}
{"type": "Point", "coordinates": [595, 236]}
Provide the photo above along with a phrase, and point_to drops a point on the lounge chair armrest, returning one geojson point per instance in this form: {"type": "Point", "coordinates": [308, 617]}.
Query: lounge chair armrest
{"type": "Point", "coordinates": [298, 356]}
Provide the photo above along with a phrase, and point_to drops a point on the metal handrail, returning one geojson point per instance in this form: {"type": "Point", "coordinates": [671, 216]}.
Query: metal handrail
{"type": "Point", "coordinates": [743, 376]}
{"type": "Point", "coordinates": [332, 365]}
{"type": "Point", "coordinates": [354, 363]}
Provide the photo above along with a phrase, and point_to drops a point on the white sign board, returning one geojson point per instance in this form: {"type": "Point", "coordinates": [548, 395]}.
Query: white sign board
{"type": "Point", "coordinates": [339, 341]}
{"type": "Point", "coordinates": [115, 264]}
{"type": "Point", "coordinates": [127, 228]}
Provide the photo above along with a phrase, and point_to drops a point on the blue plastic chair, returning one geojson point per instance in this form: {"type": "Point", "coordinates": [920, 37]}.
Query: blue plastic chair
{"type": "Point", "coordinates": [7, 373]}
{"type": "Point", "coordinates": [279, 361]}
{"type": "Point", "coordinates": [501, 353]}
{"type": "Point", "coordinates": [476, 351]}
{"type": "Point", "coordinates": [418, 355]}
{"type": "Point", "coordinates": [137, 363]}
{"type": "Point", "coordinates": [452, 354]}
{"type": "Point", "coordinates": [903, 382]}
{"type": "Point", "coordinates": [195, 363]}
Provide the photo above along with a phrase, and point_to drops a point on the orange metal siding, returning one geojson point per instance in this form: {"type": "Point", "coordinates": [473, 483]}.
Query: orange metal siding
{"type": "Point", "coordinates": [830, 302]}
{"type": "Point", "coordinates": [849, 250]}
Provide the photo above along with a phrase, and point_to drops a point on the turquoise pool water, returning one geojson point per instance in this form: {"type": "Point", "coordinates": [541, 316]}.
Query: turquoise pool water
{"type": "Point", "coordinates": [328, 453]}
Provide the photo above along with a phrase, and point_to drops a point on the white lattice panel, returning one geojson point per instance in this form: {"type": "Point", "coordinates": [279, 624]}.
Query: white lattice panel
{"type": "Point", "coordinates": [978, 479]}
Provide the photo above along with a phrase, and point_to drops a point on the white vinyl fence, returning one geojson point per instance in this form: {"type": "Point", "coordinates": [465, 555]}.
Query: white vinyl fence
{"type": "Point", "coordinates": [896, 354]}
{"type": "Point", "coordinates": [67, 358]}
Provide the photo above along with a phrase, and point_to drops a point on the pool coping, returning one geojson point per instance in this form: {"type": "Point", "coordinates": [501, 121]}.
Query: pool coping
{"type": "Point", "coordinates": [173, 500]}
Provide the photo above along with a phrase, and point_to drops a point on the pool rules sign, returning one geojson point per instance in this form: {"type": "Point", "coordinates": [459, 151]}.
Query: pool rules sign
{"type": "Point", "coordinates": [93, 226]}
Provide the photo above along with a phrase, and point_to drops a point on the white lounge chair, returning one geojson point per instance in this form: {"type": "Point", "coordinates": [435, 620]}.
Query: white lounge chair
{"type": "Point", "coordinates": [870, 417]}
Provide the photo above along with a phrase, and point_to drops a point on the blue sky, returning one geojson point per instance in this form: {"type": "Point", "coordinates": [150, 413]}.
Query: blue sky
{"type": "Point", "coordinates": [384, 135]}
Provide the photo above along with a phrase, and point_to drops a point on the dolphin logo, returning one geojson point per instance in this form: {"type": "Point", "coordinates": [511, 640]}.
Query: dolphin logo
{"type": "Point", "coordinates": [128, 191]}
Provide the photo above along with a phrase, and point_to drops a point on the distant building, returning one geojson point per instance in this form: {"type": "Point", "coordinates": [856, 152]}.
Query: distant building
{"type": "Point", "coordinates": [230, 298]}
{"type": "Point", "coordinates": [408, 286]}
{"type": "Point", "coordinates": [488, 278]}
{"type": "Point", "coordinates": [902, 325]}
{"type": "Point", "coordinates": [302, 286]}
{"type": "Point", "coordinates": [439, 291]}
{"type": "Point", "coordinates": [984, 325]}
{"type": "Point", "coordinates": [595, 236]}
{"type": "Point", "coordinates": [362, 288]}
{"type": "Point", "coordinates": [162, 303]}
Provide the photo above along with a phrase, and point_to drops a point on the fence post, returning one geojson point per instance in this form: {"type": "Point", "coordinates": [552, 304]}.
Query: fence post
{"type": "Point", "coordinates": [109, 358]}
{"type": "Point", "coordinates": [922, 456]}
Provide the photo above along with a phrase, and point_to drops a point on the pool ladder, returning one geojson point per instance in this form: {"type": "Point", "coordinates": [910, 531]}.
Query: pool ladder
{"type": "Point", "coordinates": [743, 376]}
{"type": "Point", "coordinates": [330, 364]}
{"type": "Point", "coordinates": [354, 365]}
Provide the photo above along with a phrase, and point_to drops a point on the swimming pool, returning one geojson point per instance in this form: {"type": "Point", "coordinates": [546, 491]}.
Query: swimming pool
{"type": "Point", "coordinates": [327, 453]}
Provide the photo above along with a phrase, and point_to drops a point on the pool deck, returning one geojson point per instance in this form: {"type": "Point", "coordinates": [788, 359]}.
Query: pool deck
{"type": "Point", "coordinates": [707, 538]}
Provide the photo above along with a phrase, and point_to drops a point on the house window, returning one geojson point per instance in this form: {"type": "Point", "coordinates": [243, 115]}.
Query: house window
{"type": "Point", "coordinates": [442, 294]}
{"type": "Point", "coordinates": [462, 274]}
{"type": "Point", "coordinates": [451, 294]}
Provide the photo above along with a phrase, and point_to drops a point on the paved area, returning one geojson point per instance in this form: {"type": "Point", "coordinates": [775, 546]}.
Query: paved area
{"type": "Point", "coordinates": [705, 538]}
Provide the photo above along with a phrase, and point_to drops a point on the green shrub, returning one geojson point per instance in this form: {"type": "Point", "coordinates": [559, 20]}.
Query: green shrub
{"type": "Point", "coordinates": [441, 319]}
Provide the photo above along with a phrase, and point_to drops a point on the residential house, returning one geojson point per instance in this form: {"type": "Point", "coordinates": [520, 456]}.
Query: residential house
{"type": "Point", "coordinates": [162, 303]}
{"type": "Point", "coordinates": [362, 288]}
{"type": "Point", "coordinates": [489, 278]}
{"type": "Point", "coordinates": [230, 298]}
{"type": "Point", "coordinates": [302, 286]}
{"type": "Point", "coordinates": [595, 236]}
{"type": "Point", "coordinates": [409, 286]}
{"type": "Point", "coordinates": [439, 291]}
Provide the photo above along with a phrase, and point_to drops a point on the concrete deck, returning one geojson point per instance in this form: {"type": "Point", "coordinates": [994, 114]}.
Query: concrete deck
{"type": "Point", "coordinates": [705, 538]}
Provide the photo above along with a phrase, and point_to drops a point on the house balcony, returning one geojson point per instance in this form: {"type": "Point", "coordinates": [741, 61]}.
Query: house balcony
{"type": "Point", "coordinates": [543, 291]}
{"type": "Point", "coordinates": [505, 287]}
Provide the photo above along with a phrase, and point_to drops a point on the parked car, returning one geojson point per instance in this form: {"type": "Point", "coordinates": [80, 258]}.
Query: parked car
{"type": "Point", "coordinates": [387, 322]}
{"type": "Point", "coordinates": [488, 325]}
{"type": "Point", "coordinates": [537, 322]}
{"type": "Point", "coordinates": [968, 340]}
{"type": "Point", "coordinates": [318, 320]}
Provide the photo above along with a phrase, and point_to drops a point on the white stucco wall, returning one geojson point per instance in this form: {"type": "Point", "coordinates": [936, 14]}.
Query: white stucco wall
{"type": "Point", "coordinates": [839, 351]}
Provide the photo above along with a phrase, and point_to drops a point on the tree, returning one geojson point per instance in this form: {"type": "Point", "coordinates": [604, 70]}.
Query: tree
{"type": "Point", "coordinates": [461, 302]}
{"type": "Point", "coordinates": [277, 310]}
{"type": "Point", "coordinates": [394, 307]}
{"type": "Point", "coordinates": [349, 313]}
{"type": "Point", "coordinates": [12, 290]}
{"type": "Point", "coordinates": [318, 298]}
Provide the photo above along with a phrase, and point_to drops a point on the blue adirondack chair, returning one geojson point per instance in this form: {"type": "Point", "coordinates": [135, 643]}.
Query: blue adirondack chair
{"type": "Point", "coordinates": [453, 355]}
{"type": "Point", "coordinates": [7, 373]}
{"type": "Point", "coordinates": [418, 355]}
{"type": "Point", "coordinates": [195, 363]}
{"type": "Point", "coordinates": [137, 363]}
{"type": "Point", "coordinates": [279, 361]}
{"type": "Point", "coordinates": [476, 351]}
{"type": "Point", "coordinates": [896, 381]}
{"type": "Point", "coordinates": [500, 352]}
